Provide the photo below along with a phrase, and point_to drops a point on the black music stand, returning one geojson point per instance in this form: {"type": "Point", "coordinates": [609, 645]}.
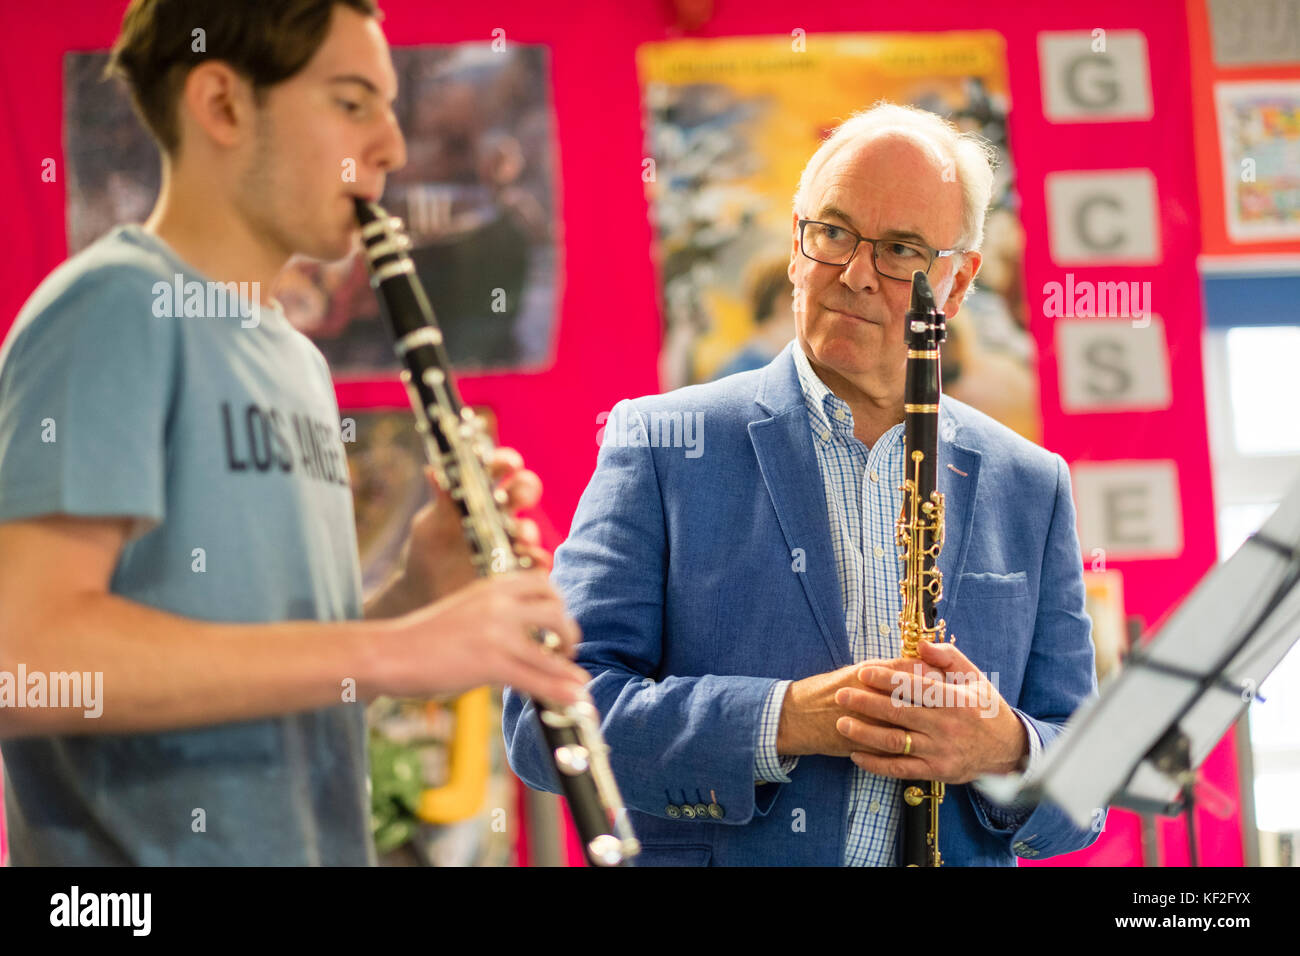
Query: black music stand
{"type": "Point", "coordinates": [1139, 743]}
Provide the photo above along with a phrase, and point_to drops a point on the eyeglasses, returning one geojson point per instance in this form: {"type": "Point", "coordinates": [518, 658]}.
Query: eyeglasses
{"type": "Point", "coordinates": [893, 258]}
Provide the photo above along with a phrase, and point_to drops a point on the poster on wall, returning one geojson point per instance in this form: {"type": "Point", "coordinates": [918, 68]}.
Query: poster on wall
{"type": "Point", "coordinates": [1246, 103]}
{"type": "Point", "coordinates": [730, 124]}
{"type": "Point", "coordinates": [1259, 135]}
{"type": "Point", "coordinates": [477, 197]}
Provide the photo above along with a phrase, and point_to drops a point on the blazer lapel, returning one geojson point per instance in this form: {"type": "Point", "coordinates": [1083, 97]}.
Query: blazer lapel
{"type": "Point", "coordinates": [788, 462]}
{"type": "Point", "coordinates": [959, 469]}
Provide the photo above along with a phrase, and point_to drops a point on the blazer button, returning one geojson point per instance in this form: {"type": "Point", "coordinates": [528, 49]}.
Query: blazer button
{"type": "Point", "coordinates": [673, 811]}
{"type": "Point", "coordinates": [715, 811]}
{"type": "Point", "coordinates": [701, 811]}
{"type": "Point", "coordinates": [688, 811]}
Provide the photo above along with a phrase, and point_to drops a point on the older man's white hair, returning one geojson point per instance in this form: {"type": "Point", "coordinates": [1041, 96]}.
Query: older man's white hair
{"type": "Point", "coordinates": [970, 155]}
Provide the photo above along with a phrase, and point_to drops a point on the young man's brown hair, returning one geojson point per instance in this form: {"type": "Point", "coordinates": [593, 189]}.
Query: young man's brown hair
{"type": "Point", "coordinates": [267, 41]}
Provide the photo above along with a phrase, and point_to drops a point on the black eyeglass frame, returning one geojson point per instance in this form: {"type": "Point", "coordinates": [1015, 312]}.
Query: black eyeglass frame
{"type": "Point", "coordinates": [935, 254]}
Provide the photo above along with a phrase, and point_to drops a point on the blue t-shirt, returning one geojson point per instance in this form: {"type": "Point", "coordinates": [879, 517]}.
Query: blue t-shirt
{"type": "Point", "coordinates": [220, 437]}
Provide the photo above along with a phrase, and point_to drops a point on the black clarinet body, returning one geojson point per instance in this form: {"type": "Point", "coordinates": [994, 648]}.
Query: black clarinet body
{"type": "Point", "coordinates": [920, 532]}
{"type": "Point", "coordinates": [460, 451]}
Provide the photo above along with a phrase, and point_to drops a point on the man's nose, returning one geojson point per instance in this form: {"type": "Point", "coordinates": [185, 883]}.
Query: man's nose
{"type": "Point", "coordinates": [860, 274]}
{"type": "Point", "coordinates": [390, 152]}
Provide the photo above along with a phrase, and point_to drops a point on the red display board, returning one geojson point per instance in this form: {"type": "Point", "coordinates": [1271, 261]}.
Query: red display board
{"type": "Point", "coordinates": [610, 321]}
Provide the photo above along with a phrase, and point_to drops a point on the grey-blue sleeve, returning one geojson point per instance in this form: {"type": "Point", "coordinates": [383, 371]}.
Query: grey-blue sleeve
{"type": "Point", "coordinates": [85, 389]}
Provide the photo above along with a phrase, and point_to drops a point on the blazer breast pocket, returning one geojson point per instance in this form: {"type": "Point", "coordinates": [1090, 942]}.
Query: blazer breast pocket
{"type": "Point", "coordinates": [993, 623]}
{"type": "Point", "coordinates": [990, 586]}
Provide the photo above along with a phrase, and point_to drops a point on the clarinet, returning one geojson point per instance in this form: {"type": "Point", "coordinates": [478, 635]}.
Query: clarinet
{"type": "Point", "coordinates": [459, 450]}
{"type": "Point", "coordinates": [919, 533]}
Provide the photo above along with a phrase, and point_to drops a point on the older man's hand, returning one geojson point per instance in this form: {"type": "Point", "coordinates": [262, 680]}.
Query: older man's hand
{"type": "Point", "coordinates": [959, 724]}
{"type": "Point", "coordinates": [809, 714]}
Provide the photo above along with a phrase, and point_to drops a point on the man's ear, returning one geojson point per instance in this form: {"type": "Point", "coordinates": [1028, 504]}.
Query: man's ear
{"type": "Point", "coordinates": [970, 267]}
{"type": "Point", "coordinates": [218, 103]}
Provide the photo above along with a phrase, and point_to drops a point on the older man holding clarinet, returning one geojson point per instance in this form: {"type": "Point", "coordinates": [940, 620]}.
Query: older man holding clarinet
{"type": "Point", "coordinates": [742, 609]}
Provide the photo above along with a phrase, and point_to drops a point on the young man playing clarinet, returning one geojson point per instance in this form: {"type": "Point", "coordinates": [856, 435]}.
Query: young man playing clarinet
{"type": "Point", "coordinates": [164, 522]}
{"type": "Point", "coordinates": [740, 608]}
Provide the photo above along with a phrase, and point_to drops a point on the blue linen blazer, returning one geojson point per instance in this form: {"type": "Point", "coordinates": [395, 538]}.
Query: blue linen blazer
{"type": "Point", "coordinates": [682, 570]}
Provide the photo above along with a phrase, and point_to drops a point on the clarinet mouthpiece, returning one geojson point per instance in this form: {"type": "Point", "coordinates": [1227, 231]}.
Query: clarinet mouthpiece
{"type": "Point", "coordinates": [922, 294]}
{"type": "Point", "coordinates": [367, 211]}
